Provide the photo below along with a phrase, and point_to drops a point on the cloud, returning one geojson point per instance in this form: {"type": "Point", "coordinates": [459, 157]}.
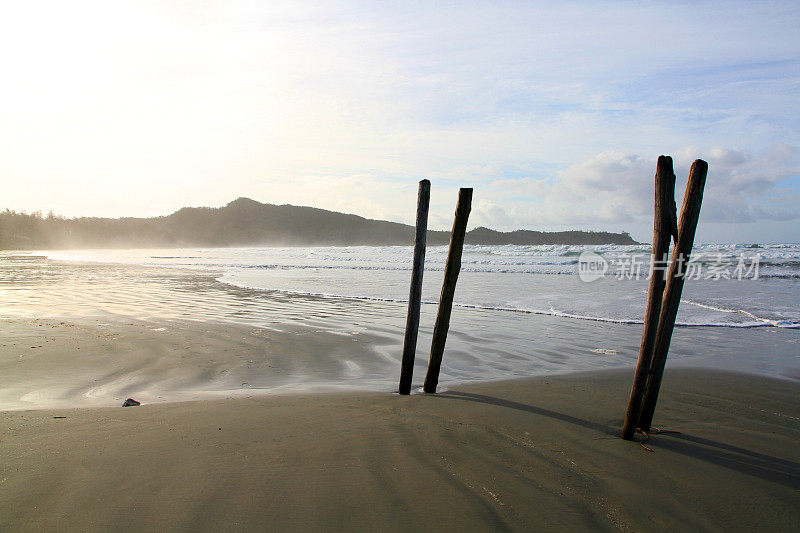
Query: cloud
{"type": "Point", "coordinates": [487, 210]}
{"type": "Point", "coordinates": [616, 189]}
{"type": "Point", "coordinates": [743, 187]}
{"type": "Point", "coordinates": [611, 188]}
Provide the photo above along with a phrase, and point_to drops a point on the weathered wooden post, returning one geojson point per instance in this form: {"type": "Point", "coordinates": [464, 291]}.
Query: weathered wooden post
{"type": "Point", "coordinates": [663, 228]}
{"type": "Point", "coordinates": [690, 212]}
{"type": "Point", "coordinates": [448, 289]}
{"type": "Point", "coordinates": [415, 293]}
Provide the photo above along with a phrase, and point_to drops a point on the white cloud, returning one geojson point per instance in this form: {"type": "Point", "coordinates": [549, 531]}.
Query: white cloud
{"type": "Point", "coordinates": [611, 188]}
{"type": "Point", "coordinates": [742, 187]}
{"type": "Point", "coordinates": [615, 189]}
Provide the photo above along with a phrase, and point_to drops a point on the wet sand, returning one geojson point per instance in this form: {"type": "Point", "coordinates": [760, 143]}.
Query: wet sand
{"type": "Point", "coordinates": [100, 362]}
{"type": "Point", "coordinates": [532, 454]}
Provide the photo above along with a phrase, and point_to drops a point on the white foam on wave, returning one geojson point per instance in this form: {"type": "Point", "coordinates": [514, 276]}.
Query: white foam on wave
{"type": "Point", "coordinates": [756, 323]}
{"type": "Point", "coordinates": [726, 310]}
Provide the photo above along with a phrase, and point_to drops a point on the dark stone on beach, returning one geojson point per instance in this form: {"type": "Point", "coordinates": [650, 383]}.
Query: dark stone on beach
{"type": "Point", "coordinates": [130, 402]}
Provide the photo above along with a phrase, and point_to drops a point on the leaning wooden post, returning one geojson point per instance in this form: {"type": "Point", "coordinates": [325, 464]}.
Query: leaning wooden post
{"type": "Point", "coordinates": [690, 212]}
{"type": "Point", "coordinates": [448, 289]}
{"type": "Point", "coordinates": [415, 293]}
{"type": "Point", "coordinates": [662, 231]}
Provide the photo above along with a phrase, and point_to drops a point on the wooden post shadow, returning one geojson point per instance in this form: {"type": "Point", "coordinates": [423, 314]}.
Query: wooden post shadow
{"type": "Point", "coordinates": [448, 289]}
{"type": "Point", "coordinates": [415, 293]}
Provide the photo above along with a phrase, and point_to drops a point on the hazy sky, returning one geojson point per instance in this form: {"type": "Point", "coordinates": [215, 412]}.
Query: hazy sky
{"type": "Point", "coordinates": [554, 111]}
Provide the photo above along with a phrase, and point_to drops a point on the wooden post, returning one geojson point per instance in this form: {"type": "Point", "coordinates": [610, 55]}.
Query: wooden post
{"type": "Point", "coordinates": [690, 212]}
{"type": "Point", "coordinates": [448, 289]}
{"type": "Point", "coordinates": [415, 293]}
{"type": "Point", "coordinates": [662, 231]}
{"type": "Point", "coordinates": [672, 210]}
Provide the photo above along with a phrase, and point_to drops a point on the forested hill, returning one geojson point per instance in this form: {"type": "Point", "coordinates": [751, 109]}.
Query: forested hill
{"type": "Point", "coordinates": [245, 222]}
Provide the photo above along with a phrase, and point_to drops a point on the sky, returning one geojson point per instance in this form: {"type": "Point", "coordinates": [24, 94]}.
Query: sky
{"type": "Point", "coordinates": [554, 112]}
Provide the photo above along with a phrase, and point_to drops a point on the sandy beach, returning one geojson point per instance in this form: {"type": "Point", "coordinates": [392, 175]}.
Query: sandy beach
{"type": "Point", "coordinates": [270, 411]}
{"type": "Point", "coordinates": [532, 454]}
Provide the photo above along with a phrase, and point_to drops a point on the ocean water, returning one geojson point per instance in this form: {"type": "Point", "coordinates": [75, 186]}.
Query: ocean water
{"type": "Point", "coordinates": [519, 311]}
{"type": "Point", "coordinates": [765, 292]}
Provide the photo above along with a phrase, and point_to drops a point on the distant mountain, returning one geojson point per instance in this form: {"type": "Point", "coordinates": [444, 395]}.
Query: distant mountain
{"type": "Point", "coordinates": [245, 222]}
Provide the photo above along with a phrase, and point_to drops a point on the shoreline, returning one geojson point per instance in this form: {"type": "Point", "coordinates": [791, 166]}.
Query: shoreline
{"type": "Point", "coordinates": [539, 453]}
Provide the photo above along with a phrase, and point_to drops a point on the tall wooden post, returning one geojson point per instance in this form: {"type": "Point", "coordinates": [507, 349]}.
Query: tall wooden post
{"type": "Point", "coordinates": [690, 212]}
{"type": "Point", "coordinates": [662, 231]}
{"type": "Point", "coordinates": [415, 293]}
{"type": "Point", "coordinates": [448, 289]}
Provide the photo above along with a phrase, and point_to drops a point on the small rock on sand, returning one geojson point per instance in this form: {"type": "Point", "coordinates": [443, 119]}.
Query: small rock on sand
{"type": "Point", "coordinates": [130, 402]}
